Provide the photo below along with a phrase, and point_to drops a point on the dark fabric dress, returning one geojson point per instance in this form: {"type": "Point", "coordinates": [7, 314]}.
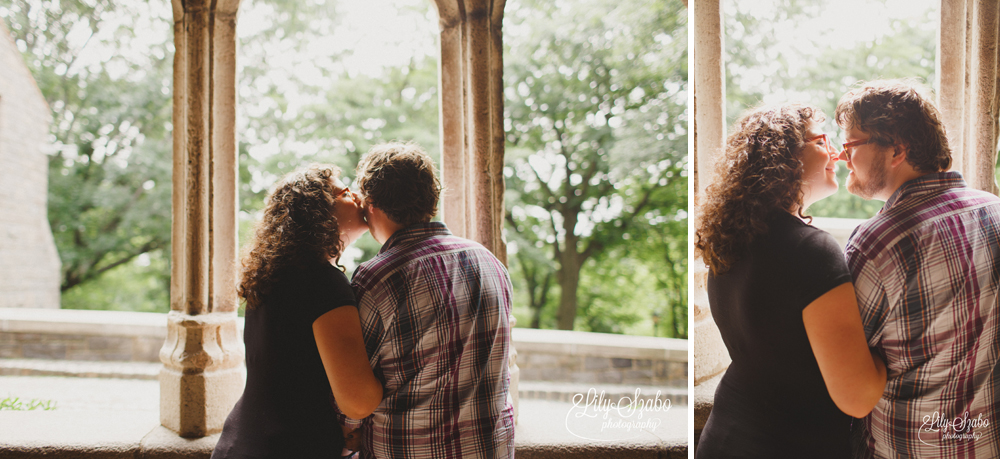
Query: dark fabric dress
{"type": "Point", "coordinates": [772, 401]}
{"type": "Point", "coordinates": [285, 410]}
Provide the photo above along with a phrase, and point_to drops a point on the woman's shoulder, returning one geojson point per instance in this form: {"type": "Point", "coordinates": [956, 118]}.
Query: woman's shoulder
{"type": "Point", "coordinates": [315, 271]}
{"type": "Point", "coordinates": [793, 243]}
{"type": "Point", "coordinates": [791, 228]}
{"type": "Point", "coordinates": [314, 278]}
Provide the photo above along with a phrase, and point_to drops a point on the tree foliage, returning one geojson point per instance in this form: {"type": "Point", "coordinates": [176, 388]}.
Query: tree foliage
{"type": "Point", "coordinates": [105, 70]}
{"type": "Point", "coordinates": [596, 151]}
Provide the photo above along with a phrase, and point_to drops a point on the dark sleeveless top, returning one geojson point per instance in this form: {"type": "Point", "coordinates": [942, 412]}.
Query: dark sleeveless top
{"type": "Point", "coordinates": [285, 409]}
{"type": "Point", "coordinates": [772, 401]}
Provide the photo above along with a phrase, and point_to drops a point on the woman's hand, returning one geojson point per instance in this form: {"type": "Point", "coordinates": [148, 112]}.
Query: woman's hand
{"type": "Point", "coordinates": [352, 438]}
{"type": "Point", "coordinates": [342, 349]}
{"type": "Point", "coordinates": [854, 376]}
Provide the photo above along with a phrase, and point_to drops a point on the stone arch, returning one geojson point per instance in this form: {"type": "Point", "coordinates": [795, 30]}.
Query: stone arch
{"type": "Point", "coordinates": [203, 373]}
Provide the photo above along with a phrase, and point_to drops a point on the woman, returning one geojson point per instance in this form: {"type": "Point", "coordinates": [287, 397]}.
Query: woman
{"type": "Point", "coordinates": [782, 296]}
{"type": "Point", "coordinates": [303, 335]}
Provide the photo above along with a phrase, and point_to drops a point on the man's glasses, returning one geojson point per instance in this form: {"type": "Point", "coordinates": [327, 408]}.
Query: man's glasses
{"type": "Point", "coordinates": [849, 146]}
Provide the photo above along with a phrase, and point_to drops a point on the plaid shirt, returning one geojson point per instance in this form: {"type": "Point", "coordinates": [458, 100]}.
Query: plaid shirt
{"type": "Point", "coordinates": [435, 312]}
{"type": "Point", "coordinates": [926, 270]}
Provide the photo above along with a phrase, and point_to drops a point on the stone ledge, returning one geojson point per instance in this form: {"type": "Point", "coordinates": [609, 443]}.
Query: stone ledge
{"type": "Point", "coordinates": [84, 369]}
{"type": "Point", "coordinates": [599, 344]}
{"type": "Point", "coordinates": [123, 323]}
{"type": "Point", "coordinates": [839, 228]}
{"type": "Point", "coordinates": [83, 322]}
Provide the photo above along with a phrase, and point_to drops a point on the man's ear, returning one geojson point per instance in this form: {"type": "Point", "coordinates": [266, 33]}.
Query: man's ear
{"type": "Point", "coordinates": [899, 153]}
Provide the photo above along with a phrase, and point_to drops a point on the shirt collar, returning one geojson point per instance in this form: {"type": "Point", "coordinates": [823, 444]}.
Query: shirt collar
{"type": "Point", "coordinates": [923, 184]}
{"type": "Point", "coordinates": [415, 232]}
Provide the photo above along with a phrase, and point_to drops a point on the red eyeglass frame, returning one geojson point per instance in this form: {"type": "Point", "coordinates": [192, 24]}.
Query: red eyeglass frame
{"type": "Point", "coordinates": [829, 147]}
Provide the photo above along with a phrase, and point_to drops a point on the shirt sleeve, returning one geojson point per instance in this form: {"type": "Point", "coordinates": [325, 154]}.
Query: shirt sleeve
{"type": "Point", "coordinates": [328, 291]}
{"type": "Point", "coordinates": [371, 321]}
{"type": "Point", "coordinates": [819, 267]}
{"type": "Point", "coordinates": [872, 300]}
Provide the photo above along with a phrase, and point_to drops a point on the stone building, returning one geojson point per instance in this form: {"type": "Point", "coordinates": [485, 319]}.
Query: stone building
{"type": "Point", "coordinates": [968, 98]}
{"type": "Point", "coordinates": [29, 263]}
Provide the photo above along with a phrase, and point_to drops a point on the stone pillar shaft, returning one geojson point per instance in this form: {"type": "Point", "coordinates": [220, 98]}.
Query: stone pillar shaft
{"type": "Point", "coordinates": [472, 120]}
{"type": "Point", "coordinates": [981, 150]}
{"type": "Point", "coordinates": [710, 355]}
{"type": "Point", "coordinates": [951, 69]}
{"type": "Point", "coordinates": [203, 373]}
{"type": "Point", "coordinates": [969, 95]}
{"type": "Point", "coordinates": [709, 130]}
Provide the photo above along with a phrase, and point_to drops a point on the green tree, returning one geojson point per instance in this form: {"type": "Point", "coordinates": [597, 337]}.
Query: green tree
{"type": "Point", "coordinates": [108, 86]}
{"type": "Point", "coordinates": [596, 127]}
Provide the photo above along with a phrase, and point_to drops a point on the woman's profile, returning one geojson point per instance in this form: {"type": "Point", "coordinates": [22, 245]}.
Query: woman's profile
{"type": "Point", "coordinates": [302, 334]}
{"type": "Point", "coordinates": [781, 294]}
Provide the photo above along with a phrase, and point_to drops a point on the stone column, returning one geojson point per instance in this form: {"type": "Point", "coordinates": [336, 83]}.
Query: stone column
{"type": "Point", "coordinates": [472, 120]}
{"type": "Point", "coordinates": [968, 94]}
{"type": "Point", "coordinates": [710, 355]}
{"type": "Point", "coordinates": [203, 373]}
{"type": "Point", "coordinates": [951, 69]}
{"type": "Point", "coordinates": [472, 135]}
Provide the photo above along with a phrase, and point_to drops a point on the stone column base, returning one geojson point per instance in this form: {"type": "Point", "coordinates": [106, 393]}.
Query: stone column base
{"type": "Point", "coordinates": [203, 374]}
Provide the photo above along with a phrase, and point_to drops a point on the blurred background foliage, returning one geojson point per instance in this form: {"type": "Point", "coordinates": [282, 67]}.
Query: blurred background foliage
{"type": "Point", "coordinates": [595, 121]}
{"type": "Point", "coordinates": [795, 51]}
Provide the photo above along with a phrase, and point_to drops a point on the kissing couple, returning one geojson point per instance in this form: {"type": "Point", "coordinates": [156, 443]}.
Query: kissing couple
{"type": "Point", "coordinates": [409, 359]}
{"type": "Point", "coordinates": [887, 349]}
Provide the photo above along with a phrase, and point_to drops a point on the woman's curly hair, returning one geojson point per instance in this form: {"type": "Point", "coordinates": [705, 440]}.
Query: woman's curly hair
{"type": "Point", "coordinates": [298, 227]}
{"type": "Point", "coordinates": [759, 173]}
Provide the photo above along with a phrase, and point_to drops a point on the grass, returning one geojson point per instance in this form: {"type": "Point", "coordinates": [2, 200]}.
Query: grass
{"type": "Point", "coordinates": [15, 404]}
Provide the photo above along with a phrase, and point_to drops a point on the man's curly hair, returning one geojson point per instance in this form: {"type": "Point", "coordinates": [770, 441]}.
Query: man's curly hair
{"type": "Point", "coordinates": [894, 112]}
{"type": "Point", "coordinates": [298, 227]}
{"type": "Point", "coordinates": [399, 179]}
{"type": "Point", "coordinates": [759, 173]}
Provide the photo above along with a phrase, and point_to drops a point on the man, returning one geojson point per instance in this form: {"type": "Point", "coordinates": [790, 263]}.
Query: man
{"type": "Point", "coordinates": [926, 272]}
{"type": "Point", "coordinates": [434, 310]}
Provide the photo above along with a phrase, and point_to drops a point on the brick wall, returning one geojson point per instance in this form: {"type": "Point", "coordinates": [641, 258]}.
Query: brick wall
{"type": "Point", "coordinates": [29, 263]}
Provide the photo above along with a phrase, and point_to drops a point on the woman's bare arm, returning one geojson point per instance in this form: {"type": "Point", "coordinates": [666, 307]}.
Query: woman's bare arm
{"type": "Point", "coordinates": [342, 349]}
{"type": "Point", "coordinates": [854, 376]}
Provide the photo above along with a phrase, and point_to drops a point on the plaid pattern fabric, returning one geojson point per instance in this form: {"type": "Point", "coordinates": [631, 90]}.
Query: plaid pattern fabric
{"type": "Point", "coordinates": [435, 312]}
{"type": "Point", "coordinates": [926, 270]}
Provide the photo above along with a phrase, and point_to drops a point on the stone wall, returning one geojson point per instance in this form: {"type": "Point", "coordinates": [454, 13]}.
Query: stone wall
{"type": "Point", "coordinates": [599, 358]}
{"type": "Point", "coordinates": [69, 334]}
{"type": "Point", "coordinates": [29, 263]}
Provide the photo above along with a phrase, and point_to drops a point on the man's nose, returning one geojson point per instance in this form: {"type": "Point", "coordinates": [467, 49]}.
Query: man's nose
{"type": "Point", "coordinates": [842, 155]}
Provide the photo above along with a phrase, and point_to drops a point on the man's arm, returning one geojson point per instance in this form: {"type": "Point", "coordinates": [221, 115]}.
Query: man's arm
{"type": "Point", "coordinates": [869, 290]}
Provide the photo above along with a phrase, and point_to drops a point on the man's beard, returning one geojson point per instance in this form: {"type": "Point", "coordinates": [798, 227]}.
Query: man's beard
{"type": "Point", "coordinates": [877, 178]}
